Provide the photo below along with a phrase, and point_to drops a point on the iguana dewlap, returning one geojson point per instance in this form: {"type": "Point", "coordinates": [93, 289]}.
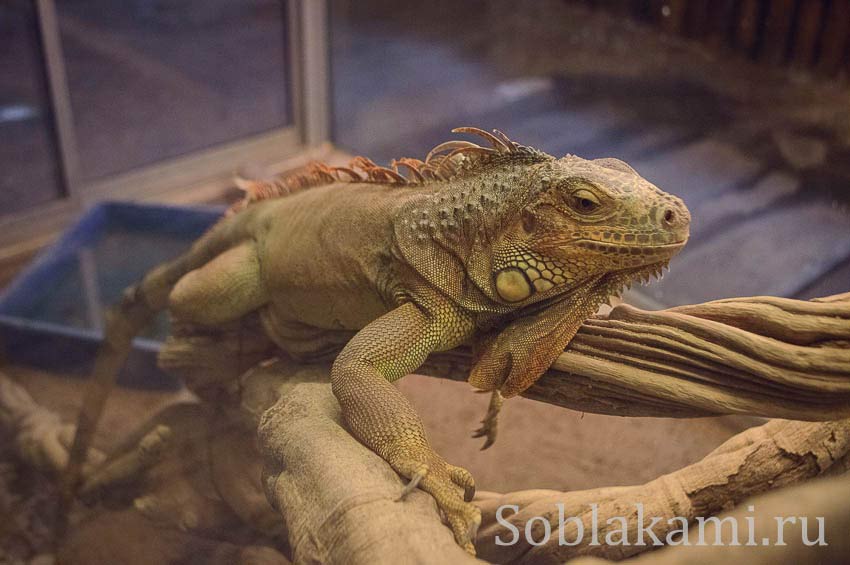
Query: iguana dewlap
{"type": "Point", "coordinates": [504, 247]}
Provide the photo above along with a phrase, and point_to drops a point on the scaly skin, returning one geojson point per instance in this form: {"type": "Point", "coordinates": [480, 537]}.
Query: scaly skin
{"type": "Point", "coordinates": [503, 247]}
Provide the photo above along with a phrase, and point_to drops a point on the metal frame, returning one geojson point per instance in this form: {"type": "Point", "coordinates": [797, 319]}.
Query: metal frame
{"type": "Point", "coordinates": [202, 172]}
{"type": "Point", "coordinates": [311, 69]}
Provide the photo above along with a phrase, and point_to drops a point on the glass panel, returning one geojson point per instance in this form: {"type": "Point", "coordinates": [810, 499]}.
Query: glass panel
{"type": "Point", "coordinates": [74, 286]}
{"type": "Point", "coordinates": [30, 173]}
{"type": "Point", "coordinates": [154, 79]}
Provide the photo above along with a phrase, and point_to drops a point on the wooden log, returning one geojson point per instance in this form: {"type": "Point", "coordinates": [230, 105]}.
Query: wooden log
{"type": "Point", "coordinates": [777, 31]}
{"type": "Point", "coordinates": [822, 500]}
{"type": "Point", "coordinates": [807, 31]}
{"type": "Point", "coordinates": [772, 456]}
{"type": "Point", "coordinates": [42, 439]}
{"type": "Point", "coordinates": [835, 37]}
{"type": "Point", "coordinates": [740, 355]}
{"type": "Point", "coordinates": [762, 356]}
{"type": "Point", "coordinates": [747, 29]}
{"type": "Point", "coordinates": [338, 499]}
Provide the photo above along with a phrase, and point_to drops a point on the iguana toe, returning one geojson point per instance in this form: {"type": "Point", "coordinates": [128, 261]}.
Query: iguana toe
{"type": "Point", "coordinates": [490, 427]}
{"type": "Point", "coordinates": [452, 488]}
{"type": "Point", "coordinates": [463, 478]}
{"type": "Point", "coordinates": [465, 525]}
{"type": "Point", "coordinates": [463, 517]}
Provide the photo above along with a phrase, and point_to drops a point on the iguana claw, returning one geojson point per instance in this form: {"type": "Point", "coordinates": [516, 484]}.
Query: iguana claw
{"type": "Point", "coordinates": [490, 422]}
{"type": "Point", "coordinates": [462, 478]}
{"type": "Point", "coordinates": [414, 482]}
{"type": "Point", "coordinates": [445, 483]}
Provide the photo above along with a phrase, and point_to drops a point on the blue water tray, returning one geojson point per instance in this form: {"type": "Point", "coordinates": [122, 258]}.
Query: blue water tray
{"type": "Point", "coordinates": [51, 317]}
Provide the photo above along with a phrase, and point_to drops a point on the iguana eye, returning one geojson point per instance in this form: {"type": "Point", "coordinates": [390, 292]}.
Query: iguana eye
{"type": "Point", "coordinates": [584, 202]}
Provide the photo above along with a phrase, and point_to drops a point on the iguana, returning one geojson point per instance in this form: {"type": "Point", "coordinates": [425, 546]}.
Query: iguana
{"type": "Point", "coordinates": [501, 246]}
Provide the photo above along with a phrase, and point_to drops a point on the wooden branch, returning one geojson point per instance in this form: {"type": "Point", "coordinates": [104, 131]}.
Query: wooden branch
{"type": "Point", "coordinates": [338, 498]}
{"type": "Point", "coordinates": [734, 356]}
{"type": "Point", "coordinates": [823, 499]}
{"type": "Point", "coordinates": [759, 355]}
{"type": "Point", "coordinates": [768, 457]}
{"type": "Point", "coordinates": [762, 356]}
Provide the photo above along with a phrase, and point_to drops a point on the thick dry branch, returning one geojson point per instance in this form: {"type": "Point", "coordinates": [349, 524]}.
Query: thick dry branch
{"type": "Point", "coordinates": [803, 509]}
{"type": "Point", "coordinates": [338, 498]}
{"type": "Point", "coordinates": [732, 356]}
{"type": "Point", "coordinates": [762, 356]}
{"type": "Point", "coordinates": [737, 356]}
{"type": "Point", "coordinates": [777, 454]}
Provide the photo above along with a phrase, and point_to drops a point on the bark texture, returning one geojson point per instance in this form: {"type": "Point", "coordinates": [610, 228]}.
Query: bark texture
{"type": "Point", "coordinates": [768, 457]}
{"type": "Point", "coordinates": [762, 356]}
{"type": "Point", "coordinates": [823, 499]}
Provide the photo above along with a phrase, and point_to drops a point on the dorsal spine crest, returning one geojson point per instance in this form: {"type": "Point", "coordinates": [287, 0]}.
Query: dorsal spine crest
{"type": "Point", "coordinates": [447, 161]}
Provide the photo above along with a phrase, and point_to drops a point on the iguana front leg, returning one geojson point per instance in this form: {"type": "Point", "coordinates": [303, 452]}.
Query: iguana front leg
{"type": "Point", "coordinates": [512, 359]}
{"type": "Point", "coordinates": [381, 417]}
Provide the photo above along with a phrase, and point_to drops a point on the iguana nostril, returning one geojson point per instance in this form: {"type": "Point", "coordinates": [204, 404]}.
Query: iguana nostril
{"type": "Point", "coordinates": [669, 216]}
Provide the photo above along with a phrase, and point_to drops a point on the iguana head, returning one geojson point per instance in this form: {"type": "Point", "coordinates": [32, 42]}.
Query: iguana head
{"type": "Point", "coordinates": [586, 219]}
{"type": "Point", "coordinates": [498, 228]}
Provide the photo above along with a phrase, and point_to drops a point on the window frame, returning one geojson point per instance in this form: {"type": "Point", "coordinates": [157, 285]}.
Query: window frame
{"type": "Point", "coordinates": [198, 175]}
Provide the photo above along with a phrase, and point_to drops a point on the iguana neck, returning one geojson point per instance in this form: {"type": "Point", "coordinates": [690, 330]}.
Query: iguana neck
{"type": "Point", "coordinates": [455, 224]}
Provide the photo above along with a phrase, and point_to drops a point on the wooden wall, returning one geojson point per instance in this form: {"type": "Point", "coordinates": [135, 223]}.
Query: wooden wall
{"type": "Point", "coordinates": [806, 34]}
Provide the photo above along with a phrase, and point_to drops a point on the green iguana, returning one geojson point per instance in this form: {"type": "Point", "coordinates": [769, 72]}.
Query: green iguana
{"type": "Point", "coordinates": [504, 247]}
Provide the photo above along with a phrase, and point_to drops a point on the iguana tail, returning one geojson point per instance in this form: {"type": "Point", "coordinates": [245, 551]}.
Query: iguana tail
{"type": "Point", "coordinates": [137, 309]}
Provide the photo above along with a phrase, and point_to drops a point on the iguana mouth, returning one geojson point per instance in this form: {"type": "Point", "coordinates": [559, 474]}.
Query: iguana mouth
{"type": "Point", "coordinates": [629, 249]}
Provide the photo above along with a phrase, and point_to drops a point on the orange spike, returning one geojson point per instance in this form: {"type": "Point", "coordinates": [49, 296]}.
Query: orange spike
{"type": "Point", "coordinates": [412, 165]}
{"type": "Point", "coordinates": [508, 141]}
{"type": "Point", "coordinates": [353, 176]}
{"type": "Point", "coordinates": [454, 144]}
{"type": "Point", "coordinates": [447, 167]}
{"type": "Point", "coordinates": [473, 150]}
{"type": "Point", "coordinates": [429, 172]}
{"type": "Point", "coordinates": [497, 143]}
{"type": "Point", "coordinates": [362, 163]}
{"type": "Point", "coordinates": [382, 174]}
